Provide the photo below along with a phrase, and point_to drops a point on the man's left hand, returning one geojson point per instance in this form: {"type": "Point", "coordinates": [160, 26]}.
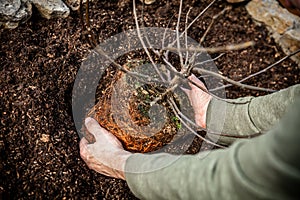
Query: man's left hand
{"type": "Point", "coordinates": [107, 155]}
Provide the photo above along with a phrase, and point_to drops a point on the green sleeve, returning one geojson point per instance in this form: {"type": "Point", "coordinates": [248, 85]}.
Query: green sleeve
{"type": "Point", "coordinates": [249, 115]}
{"type": "Point", "coordinates": [265, 167]}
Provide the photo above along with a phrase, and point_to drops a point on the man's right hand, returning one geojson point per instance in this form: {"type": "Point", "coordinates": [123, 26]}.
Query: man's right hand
{"type": "Point", "coordinates": [199, 99]}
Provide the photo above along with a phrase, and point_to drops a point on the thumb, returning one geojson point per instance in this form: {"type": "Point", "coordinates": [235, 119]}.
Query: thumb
{"type": "Point", "coordinates": [197, 83]}
{"type": "Point", "coordinates": [93, 127]}
{"type": "Point", "coordinates": [99, 132]}
{"type": "Point", "coordinates": [83, 148]}
{"type": "Point", "coordinates": [187, 91]}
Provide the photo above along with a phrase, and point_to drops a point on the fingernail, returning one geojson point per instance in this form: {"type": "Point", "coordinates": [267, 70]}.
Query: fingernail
{"type": "Point", "coordinates": [87, 120]}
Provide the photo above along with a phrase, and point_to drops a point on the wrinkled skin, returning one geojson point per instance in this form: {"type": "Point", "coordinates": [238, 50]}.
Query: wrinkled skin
{"type": "Point", "coordinates": [106, 155]}
{"type": "Point", "coordinates": [199, 99]}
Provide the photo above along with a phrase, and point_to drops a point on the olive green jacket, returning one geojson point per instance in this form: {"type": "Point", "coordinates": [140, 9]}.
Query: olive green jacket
{"type": "Point", "coordinates": [264, 167]}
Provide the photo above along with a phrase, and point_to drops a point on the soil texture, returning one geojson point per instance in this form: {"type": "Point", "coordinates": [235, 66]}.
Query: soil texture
{"type": "Point", "coordinates": [39, 60]}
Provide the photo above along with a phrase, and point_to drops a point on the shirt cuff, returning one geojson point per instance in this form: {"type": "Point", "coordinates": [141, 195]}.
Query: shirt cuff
{"type": "Point", "coordinates": [230, 118]}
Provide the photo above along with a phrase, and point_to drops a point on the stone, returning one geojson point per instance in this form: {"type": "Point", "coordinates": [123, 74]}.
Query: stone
{"type": "Point", "coordinates": [51, 8]}
{"type": "Point", "coordinates": [283, 25]}
{"type": "Point", "coordinates": [290, 42]}
{"type": "Point", "coordinates": [13, 12]}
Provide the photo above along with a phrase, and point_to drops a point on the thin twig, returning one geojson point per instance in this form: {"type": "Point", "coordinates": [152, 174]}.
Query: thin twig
{"type": "Point", "coordinates": [191, 60]}
{"type": "Point", "coordinates": [81, 15]}
{"type": "Point", "coordinates": [86, 27]}
{"type": "Point", "coordinates": [177, 35]}
{"type": "Point", "coordinates": [210, 132]}
{"type": "Point", "coordinates": [188, 72]}
{"type": "Point", "coordinates": [186, 36]}
{"type": "Point", "coordinates": [215, 49]}
{"type": "Point", "coordinates": [141, 77]}
{"type": "Point", "coordinates": [143, 43]}
{"type": "Point", "coordinates": [204, 71]}
{"type": "Point", "coordinates": [207, 92]}
{"type": "Point", "coordinates": [165, 32]}
{"type": "Point", "coordinates": [175, 111]}
{"type": "Point", "coordinates": [199, 15]}
{"type": "Point", "coordinates": [163, 94]}
{"type": "Point", "coordinates": [195, 19]}
{"type": "Point", "coordinates": [261, 71]}
{"type": "Point", "coordinates": [209, 60]}
{"type": "Point", "coordinates": [212, 22]}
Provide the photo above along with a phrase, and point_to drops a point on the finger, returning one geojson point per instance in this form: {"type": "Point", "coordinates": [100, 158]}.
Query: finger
{"type": "Point", "coordinates": [83, 142]}
{"type": "Point", "coordinates": [197, 83]}
{"type": "Point", "coordinates": [94, 128]}
{"type": "Point", "coordinates": [195, 79]}
{"type": "Point", "coordinates": [101, 169]}
{"type": "Point", "coordinates": [187, 91]}
{"type": "Point", "coordinates": [83, 148]}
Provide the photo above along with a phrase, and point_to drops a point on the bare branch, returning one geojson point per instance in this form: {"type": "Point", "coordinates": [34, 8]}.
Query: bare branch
{"type": "Point", "coordinates": [212, 22]}
{"type": "Point", "coordinates": [175, 111]}
{"type": "Point", "coordinates": [196, 18]}
{"type": "Point", "coordinates": [232, 135]}
{"type": "Point", "coordinates": [204, 71]}
{"type": "Point", "coordinates": [141, 77]}
{"type": "Point", "coordinates": [188, 71]}
{"type": "Point", "coordinates": [209, 60]}
{"type": "Point", "coordinates": [177, 34]}
{"type": "Point", "coordinates": [163, 94]}
{"type": "Point", "coordinates": [230, 47]}
{"type": "Point", "coordinates": [261, 71]}
{"type": "Point", "coordinates": [186, 36]}
{"type": "Point", "coordinates": [81, 15]}
{"type": "Point", "coordinates": [210, 132]}
{"type": "Point", "coordinates": [143, 43]}
{"type": "Point", "coordinates": [165, 32]}
{"type": "Point", "coordinates": [199, 15]}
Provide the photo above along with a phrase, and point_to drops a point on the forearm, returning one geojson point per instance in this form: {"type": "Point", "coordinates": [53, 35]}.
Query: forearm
{"type": "Point", "coordinates": [266, 167]}
{"type": "Point", "coordinates": [249, 115]}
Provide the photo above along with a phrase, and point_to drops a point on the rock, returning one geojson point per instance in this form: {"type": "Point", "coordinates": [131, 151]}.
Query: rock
{"type": "Point", "coordinates": [13, 12]}
{"type": "Point", "coordinates": [290, 42]}
{"type": "Point", "coordinates": [283, 26]}
{"type": "Point", "coordinates": [51, 8]}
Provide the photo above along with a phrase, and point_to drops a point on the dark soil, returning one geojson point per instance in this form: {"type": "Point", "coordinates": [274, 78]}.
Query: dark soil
{"type": "Point", "coordinates": [39, 61]}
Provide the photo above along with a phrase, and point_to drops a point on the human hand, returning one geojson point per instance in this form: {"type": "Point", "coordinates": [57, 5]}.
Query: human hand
{"type": "Point", "coordinates": [106, 155]}
{"type": "Point", "coordinates": [199, 100]}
